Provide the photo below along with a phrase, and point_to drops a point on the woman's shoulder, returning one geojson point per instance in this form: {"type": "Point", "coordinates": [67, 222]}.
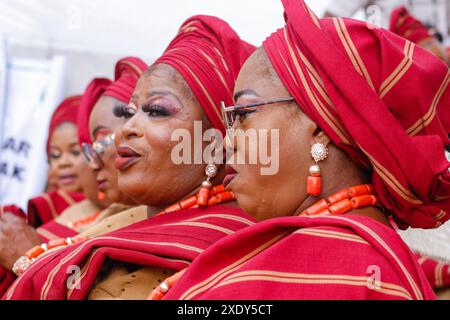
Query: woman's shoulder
{"type": "Point", "coordinates": [353, 257]}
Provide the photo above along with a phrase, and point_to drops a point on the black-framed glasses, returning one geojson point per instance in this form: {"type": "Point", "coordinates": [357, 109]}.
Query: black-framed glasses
{"type": "Point", "coordinates": [92, 152]}
{"type": "Point", "coordinates": [230, 113]}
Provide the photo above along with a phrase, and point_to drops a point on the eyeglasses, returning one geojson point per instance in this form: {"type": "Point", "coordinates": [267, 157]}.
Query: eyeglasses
{"type": "Point", "coordinates": [231, 113]}
{"type": "Point", "coordinates": [92, 152]}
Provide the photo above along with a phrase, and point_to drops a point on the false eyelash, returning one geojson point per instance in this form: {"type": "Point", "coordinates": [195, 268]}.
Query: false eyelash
{"type": "Point", "coordinates": [122, 112]}
{"type": "Point", "coordinates": [152, 109]}
{"type": "Point", "coordinates": [243, 113]}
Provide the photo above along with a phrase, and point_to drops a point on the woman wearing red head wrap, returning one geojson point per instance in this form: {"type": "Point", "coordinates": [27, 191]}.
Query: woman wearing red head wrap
{"type": "Point", "coordinates": [185, 85]}
{"type": "Point", "coordinates": [66, 165]}
{"type": "Point", "coordinates": [89, 212]}
{"type": "Point", "coordinates": [360, 115]}
{"type": "Point", "coordinates": [407, 26]}
{"type": "Point", "coordinates": [99, 100]}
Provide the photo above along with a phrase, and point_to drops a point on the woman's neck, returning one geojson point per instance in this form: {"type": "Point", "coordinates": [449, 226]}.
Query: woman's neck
{"type": "Point", "coordinates": [151, 211]}
{"type": "Point", "coordinates": [337, 178]}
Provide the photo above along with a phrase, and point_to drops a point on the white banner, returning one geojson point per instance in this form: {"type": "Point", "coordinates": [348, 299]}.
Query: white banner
{"type": "Point", "coordinates": [34, 89]}
{"type": "Point", "coordinates": [3, 68]}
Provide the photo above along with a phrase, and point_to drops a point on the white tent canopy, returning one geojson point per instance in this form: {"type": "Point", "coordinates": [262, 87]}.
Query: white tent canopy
{"type": "Point", "coordinates": [93, 35]}
{"type": "Point", "coordinates": [129, 27]}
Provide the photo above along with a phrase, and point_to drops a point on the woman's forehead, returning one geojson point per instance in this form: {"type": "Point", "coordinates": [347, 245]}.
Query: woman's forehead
{"type": "Point", "coordinates": [162, 77]}
{"type": "Point", "coordinates": [258, 74]}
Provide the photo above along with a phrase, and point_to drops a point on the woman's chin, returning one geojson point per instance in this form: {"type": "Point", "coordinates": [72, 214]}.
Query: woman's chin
{"type": "Point", "coordinates": [71, 188]}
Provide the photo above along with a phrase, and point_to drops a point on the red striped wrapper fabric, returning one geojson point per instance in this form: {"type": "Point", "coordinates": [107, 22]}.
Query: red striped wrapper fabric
{"type": "Point", "coordinates": [337, 257]}
{"type": "Point", "coordinates": [171, 241]}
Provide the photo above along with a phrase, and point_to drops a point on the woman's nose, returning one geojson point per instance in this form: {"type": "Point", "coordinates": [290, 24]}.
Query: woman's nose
{"type": "Point", "coordinates": [64, 161]}
{"type": "Point", "coordinates": [131, 129]}
{"type": "Point", "coordinates": [229, 143]}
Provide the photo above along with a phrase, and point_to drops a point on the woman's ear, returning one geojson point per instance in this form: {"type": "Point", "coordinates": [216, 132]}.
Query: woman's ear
{"type": "Point", "coordinates": [321, 137]}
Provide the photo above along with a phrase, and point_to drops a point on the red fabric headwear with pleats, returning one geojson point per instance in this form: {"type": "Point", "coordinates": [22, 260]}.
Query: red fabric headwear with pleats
{"type": "Point", "coordinates": [380, 98]}
{"type": "Point", "coordinates": [408, 27]}
{"type": "Point", "coordinates": [66, 112]}
{"type": "Point", "coordinates": [208, 53]}
{"type": "Point", "coordinates": [127, 72]}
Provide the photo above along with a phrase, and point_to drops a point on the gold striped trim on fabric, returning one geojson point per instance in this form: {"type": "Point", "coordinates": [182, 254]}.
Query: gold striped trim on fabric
{"type": "Point", "coordinates": [320, 279]}
{"type": "Point", "coordinates": [223, 216]}
{"type": "Point", "coordinates": [66, 197]}
{"type": "Point", "coordinates": [440, 215]}
{"type": "Point", "coordinates": [50, 204]}
{"type": "Point", "coordinates": [212, 280]}
{"type": "Point", "coordinates": [83, 273]}
{"type": "Point", "coordinates": [424, 121]}
{"type": "Point", "coordinates": [391, 181]}
{"type": "Point", "coordinates": [49, 281]}
{"type": "Point", "coordinates": [47, 234]}
{"type": "Point", "coordinates": [288, 69]}
{"type": "Point", "coordinates": [189, 25]}
{"type": "Point", "coordinates": [352, 51]}
{"type": "Point", "coordinates": [313, 16]}
{"type": "Point", "coordinates": [224, 62]}
{"type": "Point", "coordinates": [133, 66]}
{"type": "Point", "coordinates": [315, 78]}
{"type": "Point", "coordinates": [205, 92]}
{"type": "Point", "coordinates": [438, 275]}
{"type": "Point", "coordinates": [440, 198]}
{"type": "Point", "coordinates": [201, 225]}
{"type": "Point", "coordinates": [332, 235]}
{"type": "Point", "coordinates": [422, 259]}
{"type": "Point", "coordinates": [399, 71]}
{"type": "Point", "coordinates": [376, 237]}
{"type": "Point", "coordinates": [35, 264]}
{"type": "Point", "coordinates": [323, 111]}
{"type": "Point", "coordinates": [216, 69]}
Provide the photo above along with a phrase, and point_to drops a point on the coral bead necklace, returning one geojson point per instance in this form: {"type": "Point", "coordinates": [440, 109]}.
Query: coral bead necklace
{"type": "Point", "coordinates": [338, 203]}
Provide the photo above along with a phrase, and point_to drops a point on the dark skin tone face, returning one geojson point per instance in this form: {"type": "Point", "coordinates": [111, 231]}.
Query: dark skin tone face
{"type": "Point", "coordinates": [284, 194]}
{"type": "Point", "coordinates": [66, 160]}
{"type": "Point", "coordinates": [163, 103]}
{"type": "Point", "coordinates": [101, 123]}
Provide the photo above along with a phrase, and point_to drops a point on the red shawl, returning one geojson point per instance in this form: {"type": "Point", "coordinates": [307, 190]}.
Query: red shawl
{"type": "Point", "coordinates": [49, 205]}
{"type": "Point", "coordinates": [290, 258]}
{"type": "Point", "coordinates": [45, 207]}
{"type": "Point", "coordinates": [41, 210]}
{"type": "Point", "coordinates": [436, 271]}
{"type": "Point", "coordinates": [380, 98]}
{"type": "Point", "coordinates": [172, 241]}
{"type": "Point", "coordinates": [65, 112]}
{"type": "Point", "coordinates": [208, 53]}
{"type": "Point", "coordinates": [407, 26]}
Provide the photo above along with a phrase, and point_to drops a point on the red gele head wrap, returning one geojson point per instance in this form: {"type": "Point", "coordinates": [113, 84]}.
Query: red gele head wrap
{"type": "Point", "coordinates": [93, 92]}
{"type": "Point", "coordinates": [380, 98]}
{"type": "Point", "coordinates": [408, 27]}
{"type": "Point", "coordinates": [127, 72]}
{"type": "Point", "coordinates": [208, 54]}
{"type": "Point", "coordinates": [66, 112]}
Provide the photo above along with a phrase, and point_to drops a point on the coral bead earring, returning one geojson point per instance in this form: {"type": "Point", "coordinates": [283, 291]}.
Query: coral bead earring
{"type": "Point", "coordinates": [205, 189]}
{"type": "Point", "coordinates": [319, 152]}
